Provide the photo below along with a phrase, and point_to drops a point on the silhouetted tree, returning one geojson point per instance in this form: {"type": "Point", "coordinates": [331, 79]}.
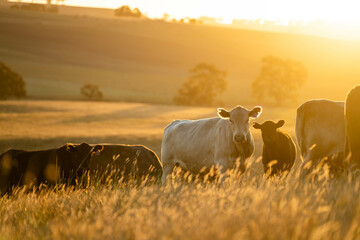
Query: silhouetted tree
{"type": "Point", "coordinates": [202, 86]}
{"type": "Point", "coordinates": [11, 83]}
{"type": "Point", "coordinates": [279, 79]}
{"type": "Point", "coordinates": [126, 11]}
{"type": "Point", "coordinates": [91, 92]}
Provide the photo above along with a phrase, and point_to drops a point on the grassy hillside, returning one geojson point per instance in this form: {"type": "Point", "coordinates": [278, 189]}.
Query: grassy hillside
{"type": "Point", "coordinates": [142, 60]}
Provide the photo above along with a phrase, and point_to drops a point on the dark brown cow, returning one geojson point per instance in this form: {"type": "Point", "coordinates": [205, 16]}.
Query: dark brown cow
{"type": "Point", "coordinates": [352, 122]}
{"type": "Point", "coordinates": [130, 161]}
{"type": "Point", "coordinates": [278, 148]}
{"type": "Point", "coordinates": [63, 164]}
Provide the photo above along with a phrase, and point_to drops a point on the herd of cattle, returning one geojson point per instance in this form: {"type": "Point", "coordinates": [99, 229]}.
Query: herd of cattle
{"type": "Point", "coordinates": [326, 131]}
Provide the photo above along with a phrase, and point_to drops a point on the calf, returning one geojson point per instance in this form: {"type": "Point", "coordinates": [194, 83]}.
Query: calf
{"type": "Point", "coordinates": [18, 167]}
{"type": "Point", "coordinates": [130, 161]}
{"type": "Point", "coordinates": [278, 148]}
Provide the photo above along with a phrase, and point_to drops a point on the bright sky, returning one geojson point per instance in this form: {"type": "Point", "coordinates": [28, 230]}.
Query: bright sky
{"type": "Point", "coordinates": [344, 11]}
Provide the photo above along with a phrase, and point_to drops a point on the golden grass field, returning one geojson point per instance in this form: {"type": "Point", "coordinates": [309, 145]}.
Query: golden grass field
{"type": "Point", "coordinates": [147, 61]}
{"type": "Point", "coordinates": [250, 207]}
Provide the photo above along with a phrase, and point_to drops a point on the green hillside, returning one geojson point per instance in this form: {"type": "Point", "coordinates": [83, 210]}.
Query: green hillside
{"type": "Point", "coordinates": [144, 60]}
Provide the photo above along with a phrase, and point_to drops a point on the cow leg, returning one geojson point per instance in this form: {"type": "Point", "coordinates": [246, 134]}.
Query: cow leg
{"type": "Point", "coordinates": [222, 167]}
{"type": "Point", "coordinates": [310, 163]}
{"type": "Point", "coordinates": [167, 170]}
{"type": "Point", "coordinates": [242, 166]}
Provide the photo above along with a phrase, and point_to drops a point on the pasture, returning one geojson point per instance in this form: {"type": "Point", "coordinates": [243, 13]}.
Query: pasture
{"type": "Point", "coordinates": [240, 208]}
{"type": "Point", "coordinates": [147, 61]}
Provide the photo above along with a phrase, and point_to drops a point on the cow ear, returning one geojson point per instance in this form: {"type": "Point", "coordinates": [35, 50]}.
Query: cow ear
{"type": "Point", "coordinates": [98, 148]}
{"type": "Point", "coordinates": [71, 147]}
{"type": "Point", "coordinates": [255, 112]}
{"type": "Point", "coordinates": [280, 123]}
{"type": "Point", "coordinates": [223, 113]}
{"type": "Point", "coordinates": [83, 147]}
{"type": "Point", "coordinates": [257, 126]}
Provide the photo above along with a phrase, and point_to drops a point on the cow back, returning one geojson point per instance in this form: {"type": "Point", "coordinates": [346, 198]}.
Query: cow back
{"type": "Point", "coordinates": [127, 160]}
{"type": "Point", "coordinates": [320, 128]}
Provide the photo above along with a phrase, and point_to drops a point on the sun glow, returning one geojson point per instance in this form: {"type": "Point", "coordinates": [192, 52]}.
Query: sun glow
{"type": "Point", "coordinates": [345, 11]}
{"type": "Point", "coordinates": [338, 15]}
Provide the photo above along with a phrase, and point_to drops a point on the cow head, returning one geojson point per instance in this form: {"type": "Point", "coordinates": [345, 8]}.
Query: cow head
{"type": "Point", "coordinates": [269, 131]}
{"type": "Point", "coordinates": [239, 119]}
{"type": "Point", "coordinates": [74, 159]}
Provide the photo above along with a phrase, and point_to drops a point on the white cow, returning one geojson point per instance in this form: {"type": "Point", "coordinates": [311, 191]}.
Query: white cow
{"type": "Point", "coordinates": [320, 129]}
{"type": "Point", "coordinates": [218, 141]}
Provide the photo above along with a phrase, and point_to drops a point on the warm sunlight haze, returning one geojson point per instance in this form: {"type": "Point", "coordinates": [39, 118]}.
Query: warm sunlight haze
{"type": "Point", "coordinates": [336, 19]}
{"type": "Point", "coordinates": [345, 11]}
{"type": "Point", "coordinates": [180, 119]}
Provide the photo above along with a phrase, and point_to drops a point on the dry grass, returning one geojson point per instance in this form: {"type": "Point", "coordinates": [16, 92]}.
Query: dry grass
{"type": "Point", "coordinates": [253, 208]}
{"type": "Point", "coordinates": [250, 207]}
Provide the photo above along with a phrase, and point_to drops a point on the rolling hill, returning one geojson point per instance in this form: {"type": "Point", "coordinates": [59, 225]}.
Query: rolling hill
{"type": "Point", "coordinates": [147, 60]}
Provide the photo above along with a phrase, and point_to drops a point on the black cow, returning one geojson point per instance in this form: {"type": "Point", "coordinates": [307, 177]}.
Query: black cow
{"type": "Point", "coordinates": [279, 150]}
{"type": "Point", "coordinates": [128, 161]}
{"type": "Point", "coordinates": [63, 164]}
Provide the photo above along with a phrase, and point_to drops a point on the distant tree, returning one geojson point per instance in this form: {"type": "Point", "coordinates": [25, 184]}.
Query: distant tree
{"type": "Point", "coordinates": [49, 2]}
{"type": "Point", "coordinates": [91, 92]}
{"type": "Point", "coordinates": [52, 8]}
{"type": "Point", "coordinates": [279, 79]}
{"type": "Point", "coordinates": [11, 83]}
{"type": "Point", "coordinates": [202, 86]}
{"type": "Point", "coordinates": [166, 17]}
{"type": "Point", "coordinates": [126, 11]}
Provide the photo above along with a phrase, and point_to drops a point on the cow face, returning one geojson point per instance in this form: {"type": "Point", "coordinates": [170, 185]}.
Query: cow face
{"type": "Point", "coordinates": [75, 158]}
{"type": "Point", "coordinates": [269, 130]}
{"type": "Point", "coordinates": [239, 119]}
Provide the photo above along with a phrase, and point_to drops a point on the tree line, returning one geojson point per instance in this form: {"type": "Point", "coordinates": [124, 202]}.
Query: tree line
{"type": "Point", "coordinates": [38, 7]}
{"type": "Point", "coordinates": [279, 80]}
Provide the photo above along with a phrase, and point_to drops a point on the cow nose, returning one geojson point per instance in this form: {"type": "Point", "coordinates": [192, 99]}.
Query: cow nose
{"type": "Point", "coordinates": [239, 138]}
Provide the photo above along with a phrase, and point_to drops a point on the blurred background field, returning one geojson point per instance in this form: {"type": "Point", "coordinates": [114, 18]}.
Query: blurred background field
{"type": "Point", "coordinates": [142, 60]}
